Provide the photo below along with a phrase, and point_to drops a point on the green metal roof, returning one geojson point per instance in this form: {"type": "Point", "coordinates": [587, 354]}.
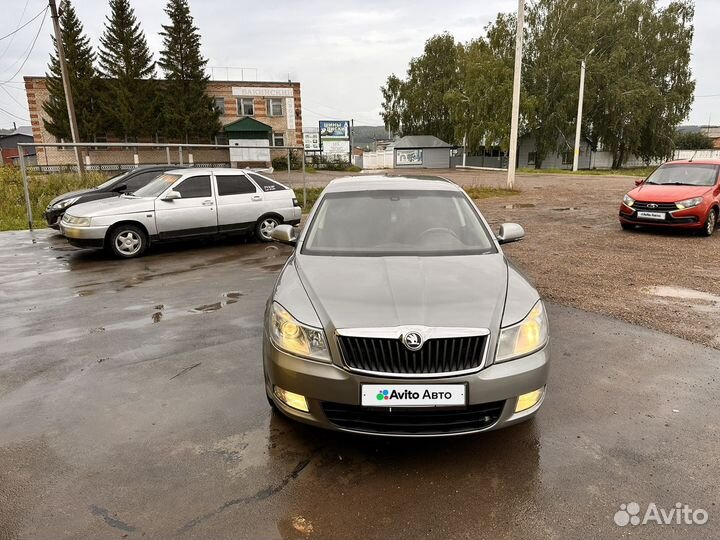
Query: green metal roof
{"type": "Point", "coordinates": [247, 124]}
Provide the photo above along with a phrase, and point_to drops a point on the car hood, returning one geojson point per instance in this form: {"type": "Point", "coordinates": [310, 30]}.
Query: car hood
{"type": "Point", "coordinates": [362, 292]}
{"type": "Point", "coordinates": [70, 195]}
{"type": "Point", "coordinates": [112, 206]}
{"type": "Point", "coordinates": [667, 193]}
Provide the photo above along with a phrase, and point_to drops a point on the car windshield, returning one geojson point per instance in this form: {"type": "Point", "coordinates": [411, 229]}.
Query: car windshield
{"type": "Point", "coordinates": [397, 223]}
{"type": "Point", "coordinates": [699, 174]}
{"type": "Point", "coordinates": [157, 186]}
{"type": "Point", "coordinates": [110, 181]}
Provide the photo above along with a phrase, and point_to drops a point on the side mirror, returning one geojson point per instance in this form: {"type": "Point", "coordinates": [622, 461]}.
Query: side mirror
{"type": "Point", "coordinates": [171, 195]}
{"type": "Point", "coordinates": [122, 188]}
{"type": "Point", "coordinates": [285, 234]}
{"type": "Point", "coordinates": [639, 181]}
{"type": "Point", "coordinates": [510, 232]}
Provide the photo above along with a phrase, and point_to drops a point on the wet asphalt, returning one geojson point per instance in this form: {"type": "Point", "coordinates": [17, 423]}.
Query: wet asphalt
{"type": "Point", "coordinates": [132, 405]}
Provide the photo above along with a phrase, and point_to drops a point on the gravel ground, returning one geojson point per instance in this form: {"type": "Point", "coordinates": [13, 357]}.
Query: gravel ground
{"type": "Point", "coordinates": [577, 254]}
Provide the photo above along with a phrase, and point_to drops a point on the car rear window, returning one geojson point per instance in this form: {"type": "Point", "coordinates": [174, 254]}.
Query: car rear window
{"type": "Point", "coordinates": [265, 183]}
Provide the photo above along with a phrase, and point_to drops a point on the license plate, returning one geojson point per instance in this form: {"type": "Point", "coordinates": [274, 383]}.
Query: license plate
{"type": "Point", "coordinates": [413, 395]}
{"type": "Point", "coordinates": [651, 215]}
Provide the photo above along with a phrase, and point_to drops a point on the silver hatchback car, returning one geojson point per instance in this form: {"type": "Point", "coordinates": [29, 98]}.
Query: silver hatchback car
{"type": "Point", "coordinates": [398, 314]}
{"type": "Point", "coordinates": [179, 204]}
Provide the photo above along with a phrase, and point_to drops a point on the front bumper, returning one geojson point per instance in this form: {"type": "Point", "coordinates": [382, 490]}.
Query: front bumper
{"type": "Point", "coordinates": [328, 384]}
{"type": "Point", "coordinates": [691, 218]}
{"type": "Point", "coordinates": [93, 237]}
{"type": "Point", "coordinates": [53, 217]}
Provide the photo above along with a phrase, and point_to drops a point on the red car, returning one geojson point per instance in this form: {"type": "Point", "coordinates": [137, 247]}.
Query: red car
{"type": "Point", "coordinates": [683, 194]}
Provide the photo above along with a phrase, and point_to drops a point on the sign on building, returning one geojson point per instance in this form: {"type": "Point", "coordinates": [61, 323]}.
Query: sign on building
{"type": "Point", "coordinates": [409, 157]}
{"type": "Point", "coordinates": [311, 141]}
{"type": "Point", "coordinates": [335, 137]}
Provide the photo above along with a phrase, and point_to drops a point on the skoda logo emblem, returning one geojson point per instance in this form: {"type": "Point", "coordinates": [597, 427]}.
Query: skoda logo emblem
{"type": "Point", "coordinates": [652, 205]}
{"type": "Point", "coordinates": [412, 341]}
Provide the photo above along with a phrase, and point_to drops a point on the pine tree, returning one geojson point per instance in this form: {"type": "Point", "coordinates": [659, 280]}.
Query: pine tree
{"type": "Point", "coordinates": [129, 100]}
{"type": "Point", "coordinates": [83, 82]}
{"type": "Point", "coordinates": [188, 111]}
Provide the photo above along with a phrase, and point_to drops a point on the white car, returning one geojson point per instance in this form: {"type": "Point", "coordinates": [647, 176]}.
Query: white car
{"type": "Point", "coordinates": [183, 203]}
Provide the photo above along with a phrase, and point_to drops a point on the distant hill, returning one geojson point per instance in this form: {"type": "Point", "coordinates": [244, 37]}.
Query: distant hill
{"type": "Point", "coordinates": [366, 135]}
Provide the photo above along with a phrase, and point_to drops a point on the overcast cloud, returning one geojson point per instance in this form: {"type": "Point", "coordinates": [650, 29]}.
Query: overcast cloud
{"type": "Point", "coordinates": [340, 52]}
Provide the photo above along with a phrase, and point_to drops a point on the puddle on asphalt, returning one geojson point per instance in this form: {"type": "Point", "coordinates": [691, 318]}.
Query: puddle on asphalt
{"type": "Point", "coordinates": [518, 205]}
{"type": "Point", "coordinates": [231, 296]}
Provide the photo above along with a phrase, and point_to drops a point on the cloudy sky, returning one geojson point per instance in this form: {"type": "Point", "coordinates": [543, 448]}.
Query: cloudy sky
{"type": "Point", "coordinates": [341, 52]}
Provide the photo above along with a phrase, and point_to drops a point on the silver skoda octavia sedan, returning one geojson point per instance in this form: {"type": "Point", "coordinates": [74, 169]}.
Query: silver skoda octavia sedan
{"type": "Point", "coordinates": [399, 315]}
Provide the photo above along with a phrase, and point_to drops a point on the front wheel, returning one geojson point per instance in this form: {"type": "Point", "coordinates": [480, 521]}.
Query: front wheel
{"type": "Point", "coordinates": [264, 228]}
{"type": "Point", "coordinates": [710, 223]}
{"type": "Point", "coordinates": [127, 241]}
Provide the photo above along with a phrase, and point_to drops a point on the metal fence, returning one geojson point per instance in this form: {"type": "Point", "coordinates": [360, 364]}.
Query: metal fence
{"type": "Point", "coordinates": [49, 158]}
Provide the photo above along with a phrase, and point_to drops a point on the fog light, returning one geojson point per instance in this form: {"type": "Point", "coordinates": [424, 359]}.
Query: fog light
{"type": "Point", "coordinates": [296, 401]}
{"type": "Point", "coordinates": [528, 400]}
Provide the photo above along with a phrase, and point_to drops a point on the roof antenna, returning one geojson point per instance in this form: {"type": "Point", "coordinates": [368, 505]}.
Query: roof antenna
{"type": "Point", "coordinates": [693, 156]}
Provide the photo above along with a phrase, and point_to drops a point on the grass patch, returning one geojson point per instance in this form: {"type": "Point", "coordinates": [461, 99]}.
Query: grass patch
{"type": "Point", "coordinates": [636, 171]}
{"type": "Point", "coordinates": [43, 188]}
{"type": "Point", "coordinates": [312, 195]}
{"type": "Point", "coordinates": [352, 168]}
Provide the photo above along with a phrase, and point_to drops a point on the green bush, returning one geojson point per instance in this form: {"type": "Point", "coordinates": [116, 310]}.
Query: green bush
{"type": "Point", "coordinates": [280, 163]}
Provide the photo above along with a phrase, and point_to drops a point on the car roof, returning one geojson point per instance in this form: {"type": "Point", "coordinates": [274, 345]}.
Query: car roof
{"type": "Point", "coordinates": [382, 182]}
{"type": "Point", "coordinates": [703, 161]}
{"type": "Point", "coordinates": [216, 170]}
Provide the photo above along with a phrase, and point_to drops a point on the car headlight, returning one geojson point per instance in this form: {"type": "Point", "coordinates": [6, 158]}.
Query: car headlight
{"type": "Point", "coordinates": [525, 337]}
{"type": "Point", "coordinates": [628, 200]}
{"type": "Point", "coordinates": [64, 204]}
{"type": "Point", "coordinates": [689, 203]}
{"type": "Point", "coordinates": [76, 221]}
{"type": "Point", "coordinates": [294, 337]}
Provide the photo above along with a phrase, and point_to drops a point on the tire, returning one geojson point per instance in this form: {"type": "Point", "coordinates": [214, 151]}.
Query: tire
{"type": "Point", "coordinates": [264, 228]}
{"type": "Point", "coordinates": [710, 223]}
{"type": "Point", "coordinates": [271, 402]}
{"type": "Point", "coordinates": [627, 226]}
{"type": "Point", "coordinates": [127, 241]}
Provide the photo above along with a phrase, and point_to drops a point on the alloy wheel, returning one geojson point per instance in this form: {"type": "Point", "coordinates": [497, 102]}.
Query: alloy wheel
{"type": "Point", "coordinates": [128, 242]}
{"type": "Point", "coordinates": [267, 227]}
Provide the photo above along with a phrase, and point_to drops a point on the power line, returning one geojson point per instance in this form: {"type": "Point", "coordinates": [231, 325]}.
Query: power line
{"type": "Point", "coordinates": [11, 96]}
{"type": "Point", "coordinates": [32, 46]}
{"type": "Point", "coordinates": [24, 25]}
{"type": "Point", "coordinates": [708, 95]}
{"type": "Point", "coordinates": [14, 115]}
{"type": "Point", "coordinates": [18, 28]}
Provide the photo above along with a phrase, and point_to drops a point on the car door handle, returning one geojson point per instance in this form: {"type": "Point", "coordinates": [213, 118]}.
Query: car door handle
{"type": "Point", "coordinates": [256, 198]}
{"type": "Point", "coordinates": [207, 203]}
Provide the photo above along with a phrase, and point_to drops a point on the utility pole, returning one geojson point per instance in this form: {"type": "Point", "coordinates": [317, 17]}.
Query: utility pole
{"type": "Point", "coordinates": [66, 83]}
{"type": "Point", "coordinates": [516, 96]}
{"type": "Point", "coordinates": [578, 122]}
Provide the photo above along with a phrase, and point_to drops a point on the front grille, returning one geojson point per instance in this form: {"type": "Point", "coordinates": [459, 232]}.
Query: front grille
{"type": "Point", "coordinates": [659, 207]}
{"type": "Point", "coordinates": [437, 356]}
{"type": "Point", "coordinates": [413, 421]}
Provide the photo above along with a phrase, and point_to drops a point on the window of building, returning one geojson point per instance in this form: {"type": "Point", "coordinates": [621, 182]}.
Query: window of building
{"type": "Point", "coordinates": [235, 184]}
{"type": "Point", "coordinates": [274, 107]}
{"type": "Point", "coordinates": [245, 107]}
{"type": "Point", "coordinates": [220, 105]}
{"type": "Point", "coordinates": [532, 157]}
{"type": "Point", "coordinates": [196, 186]}
{"type": "Point", "coordinates": [278, 139]}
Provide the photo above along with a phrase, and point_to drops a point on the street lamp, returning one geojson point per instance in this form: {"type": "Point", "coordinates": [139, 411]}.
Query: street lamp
{"type": "Point", "coordinates": [578, 123]}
